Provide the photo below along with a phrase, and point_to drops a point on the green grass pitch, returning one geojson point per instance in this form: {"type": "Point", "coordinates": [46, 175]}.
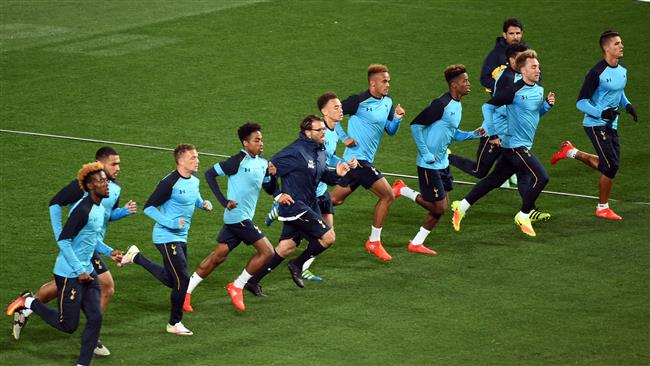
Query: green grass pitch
{"type": "Point", "coordinates": [160, 73]}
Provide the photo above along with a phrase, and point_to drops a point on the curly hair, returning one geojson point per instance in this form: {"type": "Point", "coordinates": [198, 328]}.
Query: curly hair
{"type": "Point", "coordinates": [86, 171]}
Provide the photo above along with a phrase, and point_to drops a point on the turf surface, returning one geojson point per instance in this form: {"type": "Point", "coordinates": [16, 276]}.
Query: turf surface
{"type": "Point", "coordinates": [161, 73]}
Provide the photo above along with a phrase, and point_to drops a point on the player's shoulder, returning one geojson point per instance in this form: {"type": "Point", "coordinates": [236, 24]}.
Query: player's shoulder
{"type": "Point", "coordinates": [83, 207]}
{"type": "Point", "coordinates": [442, 101]}
{"type": "Point", "coordinates": [598, 68]}
{"type": "Point", "coordinates": [518, 85]}
{"type": "Point", "coordinates": [171, 178]}
{"type": "Point", "coordinates": [622, 64]}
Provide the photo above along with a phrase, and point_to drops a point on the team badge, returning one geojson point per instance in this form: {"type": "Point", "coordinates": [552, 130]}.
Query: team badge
{"type": "Point", "coordinates": [435, 191]}
{"type": "Point", "coordinates": [98, 263]}
{"type": "Point", "coordinates": [602, 133]}
{"type": "Point", "coordinates": [72, 293]}
{"type": "Point", "coordinates": [321, 223]}
{"type": "Point", "coordinates": [258, 229]}
{"type": "Point", "coordinates": [174, 249]}
{"type": "Point", "coordinates": [311, 165]}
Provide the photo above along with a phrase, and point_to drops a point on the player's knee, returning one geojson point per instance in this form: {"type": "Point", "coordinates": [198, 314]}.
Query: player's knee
{"type": "Point", "coordinates": [388, 196]}
{"type": "Point", "coordinates": [70, 326]}
{"type": "Point", "coordinates": [285, 249]}
{"type": "Point", "coordinates": [328, 239]}
{"type": "Point", "coordinates": [108, 291]}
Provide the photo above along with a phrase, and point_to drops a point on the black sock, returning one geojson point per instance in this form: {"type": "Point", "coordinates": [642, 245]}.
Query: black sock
{"type": "Point", "coordinates": [313, 249]}
{"type": "Point", "coordinates": [268, 267]}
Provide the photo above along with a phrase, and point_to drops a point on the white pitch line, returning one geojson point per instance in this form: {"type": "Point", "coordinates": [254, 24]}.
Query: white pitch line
{"type": "Point", "coordinates": [227, 156]}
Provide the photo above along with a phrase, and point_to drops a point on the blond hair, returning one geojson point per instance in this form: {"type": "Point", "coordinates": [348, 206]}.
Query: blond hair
{"type": "Point", "coordinates": [376, 69]}
{"type": "Point", "coordinates": [86, 171]}
{"type": "Point", "coordinates": [521, 58]}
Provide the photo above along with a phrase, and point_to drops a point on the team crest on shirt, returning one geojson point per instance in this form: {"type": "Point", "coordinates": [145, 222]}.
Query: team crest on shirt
{"type": "Point", "coordinates": [173, 249]}
{"type": "Point", "coordinates": [72, 293]}
{"type": "Point", "coordinates": [98, 263]}
{"type": "Point", "coordinates": [311, 165]}
{"type": "Point", "coordinates": [435, 192]}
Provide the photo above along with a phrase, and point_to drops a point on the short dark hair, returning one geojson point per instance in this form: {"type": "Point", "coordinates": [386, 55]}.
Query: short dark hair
{"type": "Point", "coordinates": [245, 130]}
{"type": "Point", "coordinates": [452, 71]}
{"type": "Point", "coordinates": [376, 69]}
{"type": "Point", "coordinates": [324, 99]}
{"type": "Point", "coordinates": [306, 123]}
{"type": "Point", "coordinates": [104, 152]}
{"type": "Point", "coordinates": [512, 22]}
{"type": "Point", "coordinates": [181, 148]}
{"type": "Point", "coordinates": [513, 49]}
{"type": "Point", "coordinates": [606, 36]}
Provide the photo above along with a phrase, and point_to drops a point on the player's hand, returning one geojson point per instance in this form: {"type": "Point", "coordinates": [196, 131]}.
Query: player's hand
{"type": "Point", "coordinates": [285, 199]}
{"type": "Point", "coordinates": [399, 111]}
{"type": "Point", "coordinates": [272, 169]}
{"type": "Point", "coordinates": [609, 114]}
{"type": "Point", "coordinates": [116, 255]}
{"type": "Point", "coordinates": [349, 142]}
{"type": "Point", "coordinates": [85, 278]}
{"type": "Point", "coordinates": [495, 141]}
{"type": "Point", "coordinates": [480, 131]}
{"type": "Point", "coordinates": [231, 204]}
{"type": "Point", "coordinates": [630, 109]}
{"type": "Point", "coordinates": [342, 168]}
{"type": "Point", "coordinates": [131, 206]}
{"type": "Point", "coordinates": [181, 223]}
{"type": "Point", "coordinates": [353, 163]}
{"type": "Point", "coordinates": [551, 98]}
{"type": "Point", "coordinates": [429, 158]}
{"type": "Point", "coordinates": [207, 205]}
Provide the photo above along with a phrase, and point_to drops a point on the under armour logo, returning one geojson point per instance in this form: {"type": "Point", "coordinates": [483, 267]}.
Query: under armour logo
{"type": "Point", "coordinates": [524, 97]}
{"type": "Point", "coordinates": [72, 293]}
{"type": "Point", "coordinates": [453, 113]}
{"type": "Point", "coordinates": [181, 191]}
{"type": "Point", "coordinates": [246, 170]}
{"type": "Point", "coordinates": [311, 165]}
{"type": "Point", "coordinates": [98, 263]}
{"type": "Point", "coordinates": [368, 109]}
{"type": "Point", "coordinates": [173, 249]}
{"type": "Point", "coordinates": [608, 80]}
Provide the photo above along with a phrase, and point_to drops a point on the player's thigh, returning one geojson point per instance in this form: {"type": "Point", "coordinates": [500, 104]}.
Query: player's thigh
{"type": "Point", "coordinates": [382, 189]}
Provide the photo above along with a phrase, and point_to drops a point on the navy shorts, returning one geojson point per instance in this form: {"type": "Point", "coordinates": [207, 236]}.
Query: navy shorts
{"type": "Point", "coordinates": [605, 141]}
{"type": "Point", "coordinates": [434, 183]}
{"type": "Point", "coordinates": [310, 224]}
{"type": "Point", "coordinates": [365, 175]}
{"type": "Point", "coordinates": [325, 204]}
{"type": "Point", "coordinates": [233, 234]}
{"type": "Point", "coordinates": [98, 263]}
